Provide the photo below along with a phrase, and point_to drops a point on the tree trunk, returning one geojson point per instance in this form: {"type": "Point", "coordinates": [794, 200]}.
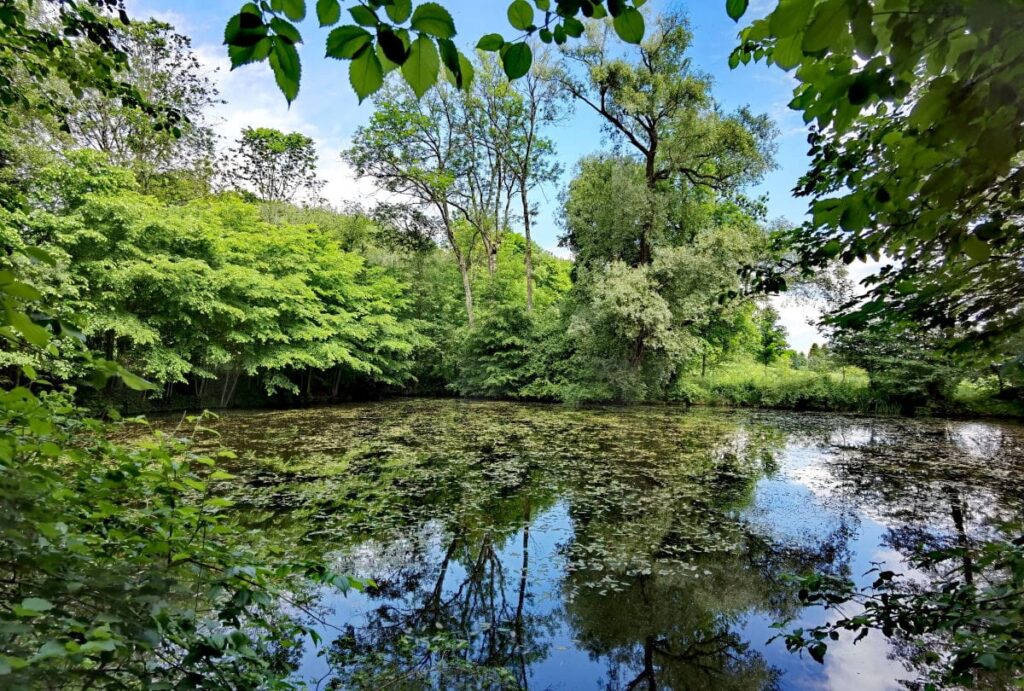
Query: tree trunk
{"type": "Point", "coordinates": [529, 245]}
{"type": "Point", "coordinates": [337, 383]}
{"type": "Point", "coordinates": [467, 286]}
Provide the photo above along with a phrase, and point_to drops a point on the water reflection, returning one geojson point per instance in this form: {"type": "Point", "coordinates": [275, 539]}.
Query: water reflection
{"type": "Point", "coordinates": [519, 546]}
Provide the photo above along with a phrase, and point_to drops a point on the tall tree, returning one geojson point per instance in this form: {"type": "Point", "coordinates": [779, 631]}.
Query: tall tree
{"type": "Point", "coordinates": [442, 152]}
{"type": "Point", "coordinates": [654, 104]}
{"type": "Point", "coordinates": [771, 336]}
{"type": "Point", "coordinates": [518, 113]}
{"type": "Point", "coordinates": [166, 74]}
{"type": "Point", "coordinates": [275, 166]}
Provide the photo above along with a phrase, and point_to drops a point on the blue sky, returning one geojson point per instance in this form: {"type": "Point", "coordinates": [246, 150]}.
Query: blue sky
{"type": "Point", "coordinates": [328, 111]}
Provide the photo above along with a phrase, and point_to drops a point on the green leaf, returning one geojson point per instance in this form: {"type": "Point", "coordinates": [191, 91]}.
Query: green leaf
{"type": "Point", "coordinates": [468, 72]}
{"type": "Point", "coordinates": [392, 48]}
{"type": "Point", "coordinates": [328, 12]}
{"type": "Point", "coordinates": [735, 8]}
{"type": "Point", "coordinates": [36, 604]}
{"type": "Point", "coordinates": [50, 649]}
{"type": "Point", "coordinates": [421, 67]}
{"type": "Point", "coordinates": [864, 38]}
{"type": "Point", "coordinates": [345, 41]}
{"type": "Point", "coordinates": [284, 61]}
{"type": "Point", "coordinates": [22, 291]}
{"type": "Point", "coordinates": [366, 74]}
{"type": "Point", "coordinates": [516, 59]}
{"type": "Point", "coordinates": [520, 15]}
{"type": "Point", "coordinates": [828, 25]}
{"type": "Point", "coordinates": [285, 30]}
{"type": "Point", "coordinates": [491, 43]}
{"type": "Point", "coordinates": [244, 55]}
{"type": "Point", "coordinates": [449, 57]}
{"type": "Point", "coordinates": [431, 18]}
{"type": "Point", "coordinates": [629, 25]}
{"type": "Point", "coordinates": [33, 333]}
{"type": "Point", "coordinates": [363, 15]}
{"type": "Point", "coordinates": [988, 661]}
{"type": "Point", "coordinates": [977, 249]}
{"type": "Point", "coordinates": [399, 10]}
{"type": "Point", "coordinates": [790, 17]}
{"type": "Point", "coordinates": [39, 254]}
{"type": "Point", "coordinates": [133, 381]}
{"type": "Point", "coordinates": [244, 29]}
{"type": "Point", "coordinates": [295, 10]}
{"type": "Point", "coordinates": [787, 53]}
{"type": "Point", "coordinates": [105, 646]}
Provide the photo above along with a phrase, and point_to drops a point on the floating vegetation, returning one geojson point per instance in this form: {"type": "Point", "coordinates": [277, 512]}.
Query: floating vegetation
{"type": "Point", "coordinates": [517, 546]}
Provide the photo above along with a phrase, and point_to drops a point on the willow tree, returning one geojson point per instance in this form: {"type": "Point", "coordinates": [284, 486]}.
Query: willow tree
{"type": "Point", "coordinates": [659, 109]}
{"type": "Point", "coordinates": [660, 228]}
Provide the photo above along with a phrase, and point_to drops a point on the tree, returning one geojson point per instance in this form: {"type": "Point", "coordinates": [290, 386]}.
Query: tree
{"type": "Point", "coordinates": [909, 367]}
{"type": "Point", "coordinates": [771, 343]}
{"type": "Point", "coordinates": [660, 109]}
{"type": "Point", "coordinates": [443, 152]}
{"type": "Point", "coordinates": [165, 72]}
{"type": "Point", "coordinates": [916, 152]}
{"type": "Point", "coordinates": [80, 44]}
{"type": "Point", "coordinates": [275, 166]}
{"type": "Point", "coordinates": [518, 113]}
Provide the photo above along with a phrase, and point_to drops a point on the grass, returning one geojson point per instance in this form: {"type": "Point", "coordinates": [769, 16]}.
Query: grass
{"type": "Point", "coordinates": [750, 384]}
{"type": "Point", "coordinates": [981, 397]}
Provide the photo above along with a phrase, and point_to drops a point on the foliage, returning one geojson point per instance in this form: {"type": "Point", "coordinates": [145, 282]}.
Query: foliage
{"type": "Point", "coordinates": [636, 323]}
{"type": "Point", "coordinates": [393, 35]}
{"type": "Point", "coordinates": [655, 106]}
{"type": "Point", "coordinates": [908, 367]}
{"type": "Point", "coordinates": [975, 606]}
{"type": "Point", "coordinates": [210, 290]}
{"type": "Point", "coordinates": [273, 165]}
{"type": "Point", "coordinates": [161, 66]}
{"type": "Point", "coordinates": [80, 43]}
{"type": "Point", "coordinates": [121, 565]}
{"type": "Point", "coordinates": [462, 158]}
{"type": "Point", "coordinates": [746, 384]}
{"type": "Point", "coordinates": [771, 341]}
{"type": "Point", "coordinates": [916, 151]}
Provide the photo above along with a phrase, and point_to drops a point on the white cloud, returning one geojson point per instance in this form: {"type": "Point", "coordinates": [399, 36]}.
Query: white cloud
{"type": "Point", "coordinates": [262, 105]}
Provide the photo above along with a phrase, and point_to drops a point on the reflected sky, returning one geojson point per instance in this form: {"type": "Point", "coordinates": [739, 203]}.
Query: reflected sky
{"type": "Point", "coordinates": [529, 546]}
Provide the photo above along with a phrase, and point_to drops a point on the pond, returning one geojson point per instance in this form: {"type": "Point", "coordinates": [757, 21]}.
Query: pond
{"type": "Point", "coordinates": [541, 547]}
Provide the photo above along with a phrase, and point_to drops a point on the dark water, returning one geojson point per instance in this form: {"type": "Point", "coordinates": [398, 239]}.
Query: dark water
{"type": "Point", "coordinates": [518, 546]}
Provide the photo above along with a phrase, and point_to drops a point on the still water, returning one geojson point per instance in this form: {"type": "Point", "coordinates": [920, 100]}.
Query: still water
{"type": "Point", "coordinates": [540, 547]}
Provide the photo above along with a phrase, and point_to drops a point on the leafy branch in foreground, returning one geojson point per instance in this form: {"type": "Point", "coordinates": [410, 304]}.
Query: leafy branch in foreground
{"type": "Point", "coordinates": [968, 623]}
{"type": "Point", "coordinates": [390, 35]}
{"type": "Point", "coordinates": [916, 152]}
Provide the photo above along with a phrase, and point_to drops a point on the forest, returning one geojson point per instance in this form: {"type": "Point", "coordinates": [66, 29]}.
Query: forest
{"type": "Point", "coordinates": [152, 268]}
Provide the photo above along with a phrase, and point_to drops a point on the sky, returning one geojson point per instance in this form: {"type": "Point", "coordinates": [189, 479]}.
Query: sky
{"type": "Point", "coordinates": [328, 111]}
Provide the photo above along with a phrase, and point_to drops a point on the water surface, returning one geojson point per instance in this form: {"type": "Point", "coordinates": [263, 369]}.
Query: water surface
{"type": "Point", "coordinates": [530, 546]}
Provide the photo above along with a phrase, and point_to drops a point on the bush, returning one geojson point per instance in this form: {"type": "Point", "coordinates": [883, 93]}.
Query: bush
{"type": "Point", "coordinates": [119, 566]}
{"type": "Point", "coordinates": [747, 384]}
